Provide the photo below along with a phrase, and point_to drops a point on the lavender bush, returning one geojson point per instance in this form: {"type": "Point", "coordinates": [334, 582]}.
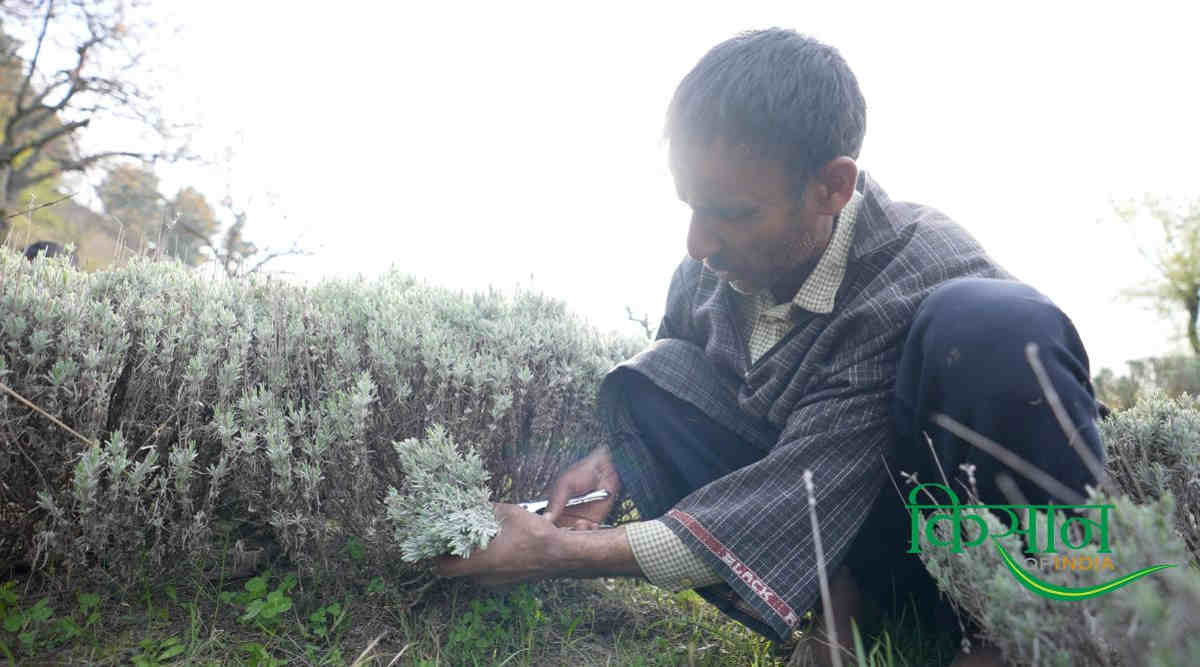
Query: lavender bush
{"type": "Point", "coordinates": [205, 404]}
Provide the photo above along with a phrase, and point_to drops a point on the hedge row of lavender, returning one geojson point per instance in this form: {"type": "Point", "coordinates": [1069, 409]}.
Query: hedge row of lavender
{"type": "Point", "coordinates": [265, 402]}
{"type": "Point", "coordinates": [1153, 456]}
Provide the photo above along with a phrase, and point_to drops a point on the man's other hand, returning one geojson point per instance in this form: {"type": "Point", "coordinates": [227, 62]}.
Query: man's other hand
{"type": "Point", "coordinates": [594, 472]}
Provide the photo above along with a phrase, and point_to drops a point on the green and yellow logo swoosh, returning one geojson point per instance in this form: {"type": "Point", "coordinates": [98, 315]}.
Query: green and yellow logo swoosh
{"type": "Point", "coordinates": [1047, 589]}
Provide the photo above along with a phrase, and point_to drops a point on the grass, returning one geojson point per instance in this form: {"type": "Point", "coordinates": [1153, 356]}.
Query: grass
{"type": "Point", "coordinates": [278, 618]}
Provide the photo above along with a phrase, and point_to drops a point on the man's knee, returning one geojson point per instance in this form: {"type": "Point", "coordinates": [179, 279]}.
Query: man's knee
{"type": "Point", "coordinates": [973, 332]}
{"type": "Point", "coordinates": [966, 357]}
{"type": "Point", "coordinates": [981, 313]}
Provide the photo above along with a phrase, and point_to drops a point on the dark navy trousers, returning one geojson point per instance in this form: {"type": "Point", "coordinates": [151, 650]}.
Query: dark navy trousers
{"type": "Point", "coordinates": [965, 357]}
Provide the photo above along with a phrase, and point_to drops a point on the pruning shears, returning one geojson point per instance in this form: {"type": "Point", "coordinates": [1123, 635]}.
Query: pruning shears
{"type": "Point", "coordinates": [539, 506]}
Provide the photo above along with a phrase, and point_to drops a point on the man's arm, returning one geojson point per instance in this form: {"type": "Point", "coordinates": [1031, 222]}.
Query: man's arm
{"type": "Point", "coordinates": [592, 553]}
{"type": "Point", "coordinates": [658, 554]}
{"type": "Point", "coordinates": [530, 547]}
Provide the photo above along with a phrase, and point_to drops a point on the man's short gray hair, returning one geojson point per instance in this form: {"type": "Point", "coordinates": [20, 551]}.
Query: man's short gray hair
{"type": "Point", "coordinates": [784, 95]}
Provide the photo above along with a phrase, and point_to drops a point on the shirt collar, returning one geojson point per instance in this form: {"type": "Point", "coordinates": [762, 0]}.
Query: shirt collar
{"type": "Point", "coordinates": [819, 290]}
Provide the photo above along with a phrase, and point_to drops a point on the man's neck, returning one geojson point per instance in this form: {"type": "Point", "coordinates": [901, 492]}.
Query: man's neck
{"type": "Point", "coordinates": [785, 290]}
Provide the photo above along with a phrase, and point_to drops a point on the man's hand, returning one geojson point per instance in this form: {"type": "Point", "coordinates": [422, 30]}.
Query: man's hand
{"type": "Point", "coordinates": [522, 550]}
{"type": "Point", "coordinates": [594, 472]}
{"type": "Point", "coordinates": [530, 547]}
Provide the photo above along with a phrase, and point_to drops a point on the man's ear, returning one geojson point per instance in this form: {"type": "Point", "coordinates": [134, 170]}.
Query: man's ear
{"type": "Point", "coordinates": [835, 185]}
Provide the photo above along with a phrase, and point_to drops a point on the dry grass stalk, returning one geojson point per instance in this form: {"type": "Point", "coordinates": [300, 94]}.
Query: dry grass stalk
{"type": "Point", "coordinates": [1064, 420]}
{"type": "Point", "coordinates": [822, 576]}
{"type": "Point", "coordinates": [29, 404]}
{"type": "Point", "coordinates": [366, 655]}
{"type": "Point", "coordinates": [1008, 458]}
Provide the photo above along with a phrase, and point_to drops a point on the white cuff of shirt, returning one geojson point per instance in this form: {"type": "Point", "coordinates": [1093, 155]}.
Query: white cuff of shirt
{"type": "Point", "coordinates": [664, 558]}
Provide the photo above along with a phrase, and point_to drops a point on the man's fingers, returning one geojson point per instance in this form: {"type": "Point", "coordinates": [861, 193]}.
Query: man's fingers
{"type": "Point", "coordinates": [558, 501]}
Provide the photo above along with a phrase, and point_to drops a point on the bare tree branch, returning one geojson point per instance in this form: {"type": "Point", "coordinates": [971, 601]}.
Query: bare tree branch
{"type": "Point", "coordinates": [61, 78]}
{"type": "Point", "coordinates": [78, 82]}
{"type": "Point", "coordinates": [293, 251]}
{"type": "Point", "coordinates": [84, 162]}
{"type": "Point", "coordinates": [46, 138]}
{"type": "Point", "coordinates": [644, 321]}
{"type": "Point", "coordinates": [37, 52]}
{"type": "Point", "coordinates": [31, 210]}
{"type": "Point", "coordinates": [17, 183]}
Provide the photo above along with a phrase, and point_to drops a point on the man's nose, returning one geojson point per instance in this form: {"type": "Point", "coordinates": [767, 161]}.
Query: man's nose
{"type": "Point", "coordinates": [702, 243]}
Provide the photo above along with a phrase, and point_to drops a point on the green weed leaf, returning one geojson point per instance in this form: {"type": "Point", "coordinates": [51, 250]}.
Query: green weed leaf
{"type": "Point", "coordinates": [88, 601]}
{"type": "Point", "coordinates": [256, 586]}
{"type": "Point", "coordinates": [13, 621]}
{"type": "Point", "coordinates": [252, 610]}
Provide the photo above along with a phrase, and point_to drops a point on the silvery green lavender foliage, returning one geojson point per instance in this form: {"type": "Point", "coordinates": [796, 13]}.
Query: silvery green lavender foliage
{"type": "Point", "coordinates": [214, 405]}
{"type": "Point", "coordinates": [1148, 622]}
{"type": "Point", "coordinates": [442, 505]}
{"type": "Point", "coordinates": [1154, 449]}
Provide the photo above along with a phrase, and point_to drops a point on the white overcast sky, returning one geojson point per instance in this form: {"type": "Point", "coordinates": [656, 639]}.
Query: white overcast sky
{"type": "Point", "coordinates": [506, 143]}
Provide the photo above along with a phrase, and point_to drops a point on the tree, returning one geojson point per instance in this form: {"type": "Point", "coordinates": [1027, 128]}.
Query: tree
{"type": "Point", "coordinates": [129, 195]}
{"type": "Point", "coordinates": [83, 61]}
{"type": "Point", "coordinates": [1174, 254]}
{"type": "Point", "coordinates": [179, 227]}
{"type": "Point", "coordinates": [239, 257]}
{"type": "Point", "coordinates": [192, 224]}
{"type": "Point", "coordinates": [185, 226]}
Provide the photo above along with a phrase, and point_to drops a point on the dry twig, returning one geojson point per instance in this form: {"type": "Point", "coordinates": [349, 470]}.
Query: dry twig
{"type": "Point", "coordinates": [1064, 420]}
{"type": "Point", "coordinates": [1008, 458]}
{"type": "Point", "coordinates": [47, 415]}
{"type": "Point", "coordinates": [822, 575]}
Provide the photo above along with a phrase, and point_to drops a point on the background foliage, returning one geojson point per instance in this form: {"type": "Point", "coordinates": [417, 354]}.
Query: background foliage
{"type": "Point", "coordinates": [67, 66]}
{"type": "Point", "coordinates": [1171, 376]}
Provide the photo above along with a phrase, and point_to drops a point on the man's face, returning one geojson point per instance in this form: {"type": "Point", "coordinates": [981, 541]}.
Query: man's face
{"type": "Point", "coordinates": [747, 224]}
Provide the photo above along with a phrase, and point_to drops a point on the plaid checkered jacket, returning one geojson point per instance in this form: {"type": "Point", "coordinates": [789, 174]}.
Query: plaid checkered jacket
{"type": "Point", "coordinates": [818, 400]}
